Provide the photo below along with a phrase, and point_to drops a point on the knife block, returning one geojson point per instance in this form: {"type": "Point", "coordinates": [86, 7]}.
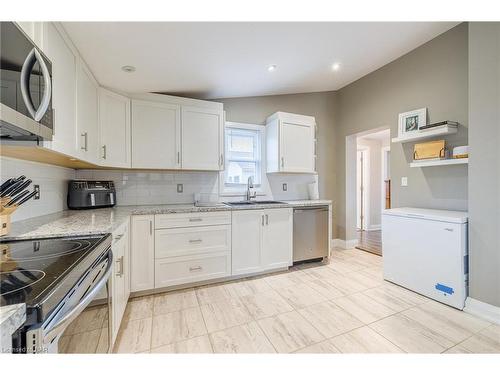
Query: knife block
{"type": "Point", "coordinates": [5, 213]}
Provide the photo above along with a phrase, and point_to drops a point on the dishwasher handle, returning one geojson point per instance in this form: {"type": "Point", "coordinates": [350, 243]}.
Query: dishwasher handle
{"type": "Point", "coordinates": [308, 209]}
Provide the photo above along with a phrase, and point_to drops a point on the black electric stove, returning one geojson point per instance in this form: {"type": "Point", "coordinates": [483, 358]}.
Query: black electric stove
{"type": "Point", "coordinates": [41, 272]}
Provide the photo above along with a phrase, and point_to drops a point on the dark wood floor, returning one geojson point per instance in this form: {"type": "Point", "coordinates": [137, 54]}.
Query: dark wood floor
{"type": "Point", "coordinates": [370, 241]}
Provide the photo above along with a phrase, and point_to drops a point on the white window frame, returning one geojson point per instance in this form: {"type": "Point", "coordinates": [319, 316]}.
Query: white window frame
{"type": "Point", "coordinates": [229, 191]}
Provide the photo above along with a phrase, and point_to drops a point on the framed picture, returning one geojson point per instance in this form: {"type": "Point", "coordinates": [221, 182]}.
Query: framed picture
{"type": "Point", "coordinates": [412, 121]}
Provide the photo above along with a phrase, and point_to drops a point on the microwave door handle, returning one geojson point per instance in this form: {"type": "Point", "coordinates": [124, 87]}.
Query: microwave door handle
{"type": "Point", "coordinates": [47, 92]}
{"type": "Point", "coordinates": [25, 82]}
{"type": "Point", "coordinates": [60, 325]}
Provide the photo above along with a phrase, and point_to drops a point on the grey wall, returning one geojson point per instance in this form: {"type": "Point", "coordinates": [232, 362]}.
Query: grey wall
{"type": "Point", "coordinates": [433, 76]}
{"type": "Point", "coordinates": [484, 167]}
{"type": "Point", "coordinates": [320, 105]}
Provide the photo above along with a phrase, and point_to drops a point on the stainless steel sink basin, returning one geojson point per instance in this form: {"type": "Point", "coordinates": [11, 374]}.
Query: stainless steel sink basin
{"type": "Point", "coordinates": [248, 203]}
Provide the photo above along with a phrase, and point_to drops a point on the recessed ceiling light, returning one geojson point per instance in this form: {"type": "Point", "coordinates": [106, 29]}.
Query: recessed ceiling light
{"type": "Point", "coordinates": [271, 68]}
{"type": "Point", "coordinates": [335, 67]}
{"type": "Point", "coordinates": [128, 68]}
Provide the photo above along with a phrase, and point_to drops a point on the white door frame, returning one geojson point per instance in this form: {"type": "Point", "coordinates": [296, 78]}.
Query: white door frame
{"type": "Point", "coordinates": [365, 225]}
{"type": "Point", "coordinates": [350, 183]}
{"type": "Point", "coordinates": [384, 160]}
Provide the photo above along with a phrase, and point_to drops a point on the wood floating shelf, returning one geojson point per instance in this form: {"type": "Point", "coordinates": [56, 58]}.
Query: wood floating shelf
{"type": "Point", "coordinates": [433, 163]}
{"type": "Point", "coordinates": [427, 133]}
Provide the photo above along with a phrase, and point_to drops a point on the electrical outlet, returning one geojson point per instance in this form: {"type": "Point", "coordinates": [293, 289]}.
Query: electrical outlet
{"type": "Point", "coordinates": [404, 181]}
{"type": "Point", "coordinates": [37, 189]}
{"type": "Point", "coordinates": [285, 187]}
{"type": "Point", "coordinates": [180, 188]}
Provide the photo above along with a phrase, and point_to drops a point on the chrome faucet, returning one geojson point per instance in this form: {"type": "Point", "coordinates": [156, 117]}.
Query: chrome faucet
{"type": "Point", "coordinates": [250, 194]}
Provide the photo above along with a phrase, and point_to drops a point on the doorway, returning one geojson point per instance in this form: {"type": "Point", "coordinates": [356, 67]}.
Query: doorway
{"type": "Point", "coordinates": [372, 187]}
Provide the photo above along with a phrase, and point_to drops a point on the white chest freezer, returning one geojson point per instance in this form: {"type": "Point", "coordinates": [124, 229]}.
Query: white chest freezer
{"type": "Point", "coordinates": [425, 251]}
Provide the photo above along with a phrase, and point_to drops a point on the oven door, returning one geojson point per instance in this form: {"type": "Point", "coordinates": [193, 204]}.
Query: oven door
{"type": "Point", "coordinates": [45, 338]}
{"type": "Point", "coordinates": [25, 86]}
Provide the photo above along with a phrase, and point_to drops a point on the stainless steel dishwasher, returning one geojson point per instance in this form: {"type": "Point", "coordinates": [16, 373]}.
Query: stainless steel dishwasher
{"type": "Point", "coordinates": [310, 233]}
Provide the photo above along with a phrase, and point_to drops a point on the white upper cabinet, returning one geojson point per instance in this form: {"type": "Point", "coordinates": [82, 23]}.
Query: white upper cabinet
{"type": "Point", "coordinates": [202, 138]}
{"type": "Point", "coordinates": [114, 129]}
{"type": "Point", "coordinates": [290, 143]}
{"type": "Point", "coordinates": [156, 129]}
{"type": "Point", "coordinates": [86, 114]}
{"type": "Point", "coordinates": [64, 60]}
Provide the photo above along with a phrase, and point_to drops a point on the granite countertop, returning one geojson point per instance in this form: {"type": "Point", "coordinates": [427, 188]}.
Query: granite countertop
{"type": "Point", "coordinates": [107, 220]}
{"type": "Point", "coordinates": [11, 318]}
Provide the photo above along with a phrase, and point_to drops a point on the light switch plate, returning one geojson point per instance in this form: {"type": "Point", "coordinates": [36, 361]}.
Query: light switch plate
{"type": "Point", "coordinates": [180, 188]}
{"type": "Point", "coordinates": [285, 186]}
{"type": "Point", "coordinates": [404, 181]}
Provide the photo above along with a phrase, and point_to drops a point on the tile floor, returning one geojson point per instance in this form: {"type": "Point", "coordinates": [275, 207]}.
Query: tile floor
{"type": "Point", "coordinates": [340, 307]}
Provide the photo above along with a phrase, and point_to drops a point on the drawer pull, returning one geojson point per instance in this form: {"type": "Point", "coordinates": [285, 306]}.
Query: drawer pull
{"type": "Point", "coordinates": [118, 237]}
{"type": "Point", "coordinates": [192, 219]}
{"type": "Point", "coordinates": [198, 268]}
{"type": "Point", "coordinates": [195, 241]}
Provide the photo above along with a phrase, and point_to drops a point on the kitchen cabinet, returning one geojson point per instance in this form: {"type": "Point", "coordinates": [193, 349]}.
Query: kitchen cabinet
{"type": "Point", "coordinates": [114, 129]}
{"type": "Point", "coordinates": [191, 247]}
{"type": "Point", "coordinates": [202, 138]}
{"type": "Point", "coordinates": [142, 258]}
{"type": "Point", "coordinates": [34, 30]}
{"type": "Point", "coordinates": [290, 140]}
{"type": "Point", "coordinates": [261, 240]}
{"type": "Point", "coordinates": [156, 134]}
{"type": "Point", "coordinates": [63, 56]}
{"type": "Point", "coordinates": [86, 114]}
{"type": "Point", "coordinates": [120, 278]}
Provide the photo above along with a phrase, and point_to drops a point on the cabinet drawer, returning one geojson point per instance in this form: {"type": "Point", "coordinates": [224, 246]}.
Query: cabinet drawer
{"type": "Point", "coordinates": [194, 219]}
{"type": "Point", "coordinates": [188, 269]}
{"type": "Point", "coordinates": [190, 241]}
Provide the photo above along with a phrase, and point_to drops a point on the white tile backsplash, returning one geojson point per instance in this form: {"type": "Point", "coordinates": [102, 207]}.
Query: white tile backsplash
{"type": "Point", "coordinates": [53, 182]}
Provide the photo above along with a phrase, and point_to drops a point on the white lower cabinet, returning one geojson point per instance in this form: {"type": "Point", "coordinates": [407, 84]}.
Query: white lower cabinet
{"type": "Point", "coordinates": [187, 269]}
{"type": "Point", "coordinates": [261, 240]}
{"type": "Point", "coordinates": [120, 279]}
{"type": "Point", "coordinates": [192, 247]}
{"type": "Point", "coordinates": [142, 255]}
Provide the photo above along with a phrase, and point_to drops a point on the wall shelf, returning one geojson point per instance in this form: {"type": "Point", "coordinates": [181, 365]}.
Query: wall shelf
{"type": "Point", "coordinates": [428, 133]}
{"type": "Point", "coordinates": [432, 163]}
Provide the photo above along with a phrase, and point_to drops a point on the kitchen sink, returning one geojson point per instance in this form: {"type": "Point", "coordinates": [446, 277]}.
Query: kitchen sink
{"type": "Point", "coordinates": [248, 203]}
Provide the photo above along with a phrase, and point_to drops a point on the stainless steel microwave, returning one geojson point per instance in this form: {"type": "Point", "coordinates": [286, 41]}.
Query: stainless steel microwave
{"type": "Point", "coordinates": [25, 87]}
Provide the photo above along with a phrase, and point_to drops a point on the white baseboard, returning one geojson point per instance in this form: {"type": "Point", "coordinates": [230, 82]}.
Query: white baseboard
{"type": "Point", "coordinates": [482, 310]}
{"type": "Point", "coordinates": [344, 244]}
{"type": "Point", "coordinates": [374, 227]}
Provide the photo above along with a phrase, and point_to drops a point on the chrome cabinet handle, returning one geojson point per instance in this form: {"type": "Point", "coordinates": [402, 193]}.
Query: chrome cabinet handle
{"type": "Point", "coordinates": [267, 219]}
{"type": "Point", "coordinates": [120, 261]}
{"type": "Point", "coordinates": [282, 162]}
{"type": "Point", "coordinates": [33, 57]}
{"type": "Point", "coordinates": [150, 227]}
{"type": "Point", "coordinates": [85, 141]}
{"type": "Point", "coordinates": [262, 220]}
{"type": "Point", "coordinates": [196, 241]}
{"type": "Point", "coordinates": [178, 157]}
{"type": "Point", "coordinates": [197, 268]}
{"type": "Point", "coordinates": [118, 237]}
{"type": "Point", "coordinates": [104, 151]}
{"type": "Point", "coordinates": [221, 160]}
{"type": "Point", "coordinates": [193, 219]}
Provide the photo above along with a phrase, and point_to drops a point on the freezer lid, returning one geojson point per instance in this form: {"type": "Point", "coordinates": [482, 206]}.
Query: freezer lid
{"type": "Point", "coordinates": [429, 214]}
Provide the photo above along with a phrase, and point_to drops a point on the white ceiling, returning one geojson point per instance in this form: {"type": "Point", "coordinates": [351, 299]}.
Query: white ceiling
{"type": "Point", "coordinates": [216, 60]}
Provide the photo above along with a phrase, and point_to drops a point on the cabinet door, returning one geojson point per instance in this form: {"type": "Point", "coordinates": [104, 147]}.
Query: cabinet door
{"type": "Point", "coordinates": [142, 253]}
{"type": "Point", "coordinates": [114, 129]}
{"type": "Point", "coordinates": [296, 148]}
{"type": "Point", "coordinates": [277, 250]}
{"type": "Point", "coordinates": [156, 136]}
{"type": "Point", "coordinates": [86, 114]}
{"type": "Point", "coordinates": [63, 60]}
{"type": "Point", "coordinates": [247, 227]}
{"type": "Point", "coordinates": [118, 302]}
{"type": "Point", "coordinates": [202, 132]}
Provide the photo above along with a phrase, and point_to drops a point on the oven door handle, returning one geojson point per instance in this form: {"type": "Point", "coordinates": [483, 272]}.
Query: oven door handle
{"type": "Point", "coordinates": [59, 326]}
